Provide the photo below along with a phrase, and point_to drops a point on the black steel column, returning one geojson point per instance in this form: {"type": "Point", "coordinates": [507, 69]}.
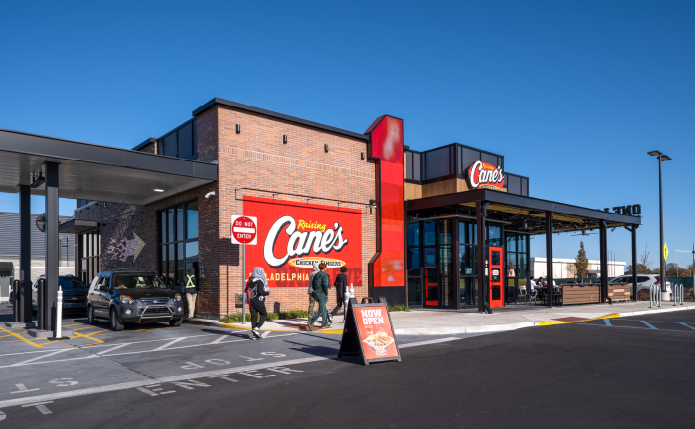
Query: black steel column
{"type": "Point", "coordinates": [481, 212]}
{"type": "Point", "coordinates": [52, 246]}
{"type": "Point", "coordinates": [457, 261]}
{"type": "Point", "coordinates": [25, 252]}
{"type": "Point", "coordinates": [633, 230]}
{"type": "Point", "coordinates": [603, 290]}
{"type": "Point", "coordinates": [549, 290]}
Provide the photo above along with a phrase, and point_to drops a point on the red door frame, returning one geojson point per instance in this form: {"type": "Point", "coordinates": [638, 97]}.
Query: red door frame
{"type": "Point", "coordinates": [496, 278]}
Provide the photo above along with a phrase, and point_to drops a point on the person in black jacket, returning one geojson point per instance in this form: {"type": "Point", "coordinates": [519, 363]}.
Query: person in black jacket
{"type": "Point", "coordinates": [257, 288]}
{"type": "Point", "coordinates": [321, 284]}
{"type": "Point", "coordinates": [340, 284]}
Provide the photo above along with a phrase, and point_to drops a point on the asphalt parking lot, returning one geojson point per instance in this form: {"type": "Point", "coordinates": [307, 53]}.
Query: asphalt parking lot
{"type": "Point", "coordinates": [632, 372]}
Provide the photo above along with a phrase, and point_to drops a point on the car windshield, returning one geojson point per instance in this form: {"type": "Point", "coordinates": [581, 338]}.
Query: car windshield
{"type": "Point", "coordinates": [70, 283]}
{"type": "Point", "coordinates": [138, 281]}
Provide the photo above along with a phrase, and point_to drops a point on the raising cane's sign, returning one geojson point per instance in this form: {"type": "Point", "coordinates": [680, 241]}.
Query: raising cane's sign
{"type": "Point", "coordinates": [292, 236]}
{"type": "Point", "coordinates": [484, 175]}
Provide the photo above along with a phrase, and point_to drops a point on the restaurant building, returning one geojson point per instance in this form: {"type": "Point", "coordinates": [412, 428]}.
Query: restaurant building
{"type": "Point", "coordinates": [422, 228]}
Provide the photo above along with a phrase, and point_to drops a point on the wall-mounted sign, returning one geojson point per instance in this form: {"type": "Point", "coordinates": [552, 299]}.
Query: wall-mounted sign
{"type": "Point", "coordinates": [292, 236]}
{"type": "Point", "coordinates": [633, 210]}
{"type": "Point", "coordinates": [484, 175]}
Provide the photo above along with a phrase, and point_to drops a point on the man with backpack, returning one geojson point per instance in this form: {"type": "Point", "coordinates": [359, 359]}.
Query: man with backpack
{"type": "Point", "coordinates": [311, 289]}
{"type": "Point", "coordinates": [340, 284]}
{"type": "Point", "coordinates": [320, 283]}
{"type": "Point", "coordinates": [256, 291]}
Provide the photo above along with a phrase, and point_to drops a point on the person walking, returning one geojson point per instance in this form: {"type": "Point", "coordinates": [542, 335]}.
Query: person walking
{"type": "Point", "coordinates": [320, 283]}
{"type": "Point", "coordinates": [312, 300]}
{"type": "Point", "coordinates": [257, 287]}
{"type": "Point", "coordinates": [191, 290]}
{"type": "Point", "coordinates": [340, 284]}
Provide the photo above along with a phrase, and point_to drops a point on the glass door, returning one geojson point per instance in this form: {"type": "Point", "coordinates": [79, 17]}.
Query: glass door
{"type": "Point", "coordinates": [496, 277]}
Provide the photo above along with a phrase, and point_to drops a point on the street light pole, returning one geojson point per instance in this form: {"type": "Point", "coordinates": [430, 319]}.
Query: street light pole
{"type": "Point", "coordinates": [662, 262]}
{"type": "Point", "coordinates": [692, 266]}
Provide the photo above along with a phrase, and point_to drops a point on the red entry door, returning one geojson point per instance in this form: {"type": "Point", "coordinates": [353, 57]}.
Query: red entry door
{"type": "Point", "coordinates": [496, 276]}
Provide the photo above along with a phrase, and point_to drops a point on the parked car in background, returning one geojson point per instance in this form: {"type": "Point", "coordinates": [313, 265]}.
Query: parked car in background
{"type": "Point", "coordinates": [643, 283]}
{"type": "Point", "coordinates": [74, 293]}
{"type": "Point", "coordinates": [129, 296]}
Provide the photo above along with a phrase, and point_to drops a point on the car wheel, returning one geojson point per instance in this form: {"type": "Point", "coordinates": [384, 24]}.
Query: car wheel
{"type": "Point", "coordinates": [175, 322]}
{"type": "Point", "coordinates": [114, 323]}
{"type": "Point", "coordinates": [90, 316]}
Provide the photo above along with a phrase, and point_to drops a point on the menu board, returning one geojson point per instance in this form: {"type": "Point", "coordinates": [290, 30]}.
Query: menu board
{"type": "Point", "coordinates": [368, 332]}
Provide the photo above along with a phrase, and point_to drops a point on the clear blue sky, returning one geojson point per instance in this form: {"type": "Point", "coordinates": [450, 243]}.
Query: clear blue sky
{"type": "Point", "coordinates": [574, 94]}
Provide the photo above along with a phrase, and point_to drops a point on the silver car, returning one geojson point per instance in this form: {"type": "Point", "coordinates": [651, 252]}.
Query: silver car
{"type": "Point", "coordinates": [643, 283]}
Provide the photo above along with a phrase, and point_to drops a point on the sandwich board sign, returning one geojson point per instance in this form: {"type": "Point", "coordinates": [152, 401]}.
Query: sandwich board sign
{"type": "Point", "coordinates": [368, 332]}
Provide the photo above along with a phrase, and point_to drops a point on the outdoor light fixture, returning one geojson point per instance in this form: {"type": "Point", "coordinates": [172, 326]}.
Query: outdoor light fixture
{"type": "Point", "coordinates": [209, 194]}
{"type": "Point", "coordinates": [662, 261]}
{"type": "Point", "coordinates": [36, 182]}
{"type": "Point", "coordinates": [284, 139]}
{"type": "Point", "coordinates": [238, 129]}
{"type": "Point", "coordinates": [41, 222]}
{"type": "Point", "coordinates": [362, 156]}
{"type": "Point", "coordinates": [158, 190]}
{"type": "Point", "coordinates": [325, 148]}
{"type": "Point", "coordinates": [372, 205]}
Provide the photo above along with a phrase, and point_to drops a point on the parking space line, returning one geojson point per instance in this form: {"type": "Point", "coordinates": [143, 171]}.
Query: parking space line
{"type": "Point", "coordinates": [686, 325]}
{"type": "Point", "coordinates": [26, 362]}
{"type": "Point", "coordinates": [648, 324]}
{"type": "Point", "coordinates": [164, 346]}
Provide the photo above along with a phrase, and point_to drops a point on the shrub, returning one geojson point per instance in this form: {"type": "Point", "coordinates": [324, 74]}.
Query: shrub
{"type": "Point", "coordinates": [398, 307]}
{"type": "Point", "coordinates": [283, 315]}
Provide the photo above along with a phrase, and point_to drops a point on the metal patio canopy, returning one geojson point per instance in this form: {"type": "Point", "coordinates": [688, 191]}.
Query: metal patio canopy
{"type": "Point", "coordinates": [527, 215]}
{"type": "Point", "coordinates": [78, 170]}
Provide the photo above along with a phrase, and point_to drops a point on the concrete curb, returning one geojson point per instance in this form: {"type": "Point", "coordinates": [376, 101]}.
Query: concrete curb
{"type": "Point", "coordinates": [501, 327]}
{"type": "Point", "coordinates": [462, 329]}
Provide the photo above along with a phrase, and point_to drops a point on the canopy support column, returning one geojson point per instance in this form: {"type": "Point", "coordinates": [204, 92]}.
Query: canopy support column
{"type": "Point", "coordinates": [52, 247]}
{"type": "Point", "coordinates": [26, 311]}
{"type": "Point", "coordinates": [633, 231]}
{"type": "Point", "coordinates": [549, 257]}
{"type": "Point", "coordinates": [481, 212]}
{"type": "Point", "coordinates": [603, 290]}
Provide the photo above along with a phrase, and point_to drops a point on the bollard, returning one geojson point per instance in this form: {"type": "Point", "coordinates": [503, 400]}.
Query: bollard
{"type": "Point", "coordinates": [59, 314]}
{"type": "Point", "coordinates": [17, 304]}
{"type": "Point", "coordinates": [40, 313]}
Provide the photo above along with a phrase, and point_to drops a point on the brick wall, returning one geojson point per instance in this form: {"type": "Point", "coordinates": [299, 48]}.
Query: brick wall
{"type": "Point", "coordinates": [257, 158]}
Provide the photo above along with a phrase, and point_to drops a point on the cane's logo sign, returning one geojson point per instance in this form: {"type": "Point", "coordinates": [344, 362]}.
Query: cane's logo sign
{"type": "Point", "coordinates": [484, 175]}
{"type": "Point", "coordinates": [305, 237]}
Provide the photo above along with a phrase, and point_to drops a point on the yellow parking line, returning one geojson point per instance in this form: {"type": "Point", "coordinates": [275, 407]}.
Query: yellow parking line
{"type": "Point", "coordinates": [26, 340]}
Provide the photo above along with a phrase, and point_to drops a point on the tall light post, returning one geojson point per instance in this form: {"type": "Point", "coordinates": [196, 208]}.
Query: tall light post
{"type": "Point", "coordinates": [662, 262]}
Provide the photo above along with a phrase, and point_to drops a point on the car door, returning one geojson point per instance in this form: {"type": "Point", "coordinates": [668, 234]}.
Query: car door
{"type": "Point", "coordinates": [104, 296]}
{"type": "Point", "coordinates": [93, 294]}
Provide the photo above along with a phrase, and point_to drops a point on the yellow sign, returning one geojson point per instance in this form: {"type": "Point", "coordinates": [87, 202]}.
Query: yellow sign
{"type": "Point", "coordinates": [665, 252]}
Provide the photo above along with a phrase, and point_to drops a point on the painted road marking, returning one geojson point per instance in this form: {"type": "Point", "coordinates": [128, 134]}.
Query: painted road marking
{"type": "Point", "coordinates": [26, 362]}
{"type": "Point", "coordinates": [426, 342]}
{"type": "Point", "coordinates": [41, 406]}
{"type": "Point", "coordinates": [686, 325]}
{"type": "Point", "coordinates": [607, 322]}
{"type": "Point", "coordinates": [648, 324]}
{"type": "Point", "coordinates": [23, 389]}
{"type": "Point", "coordinates": [164, 346]}
{"type": "Point", "coordinates": [150, 381]}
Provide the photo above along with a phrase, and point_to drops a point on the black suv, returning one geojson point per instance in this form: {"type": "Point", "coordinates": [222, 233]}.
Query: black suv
{"type": "Point", "coordinates": [132, 297]}
{"type": "Point", "coordinates": [74, 293]}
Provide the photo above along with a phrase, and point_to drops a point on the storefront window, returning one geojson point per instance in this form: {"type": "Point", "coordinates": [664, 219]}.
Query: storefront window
{"type": "Point", "coordinates": [413, 261]}
{"type": "Point", "coordinates": [494, 235]}
{"type": "Point", "coordinates": [469, 290]}
{"type": "Point", "coordinates": [444, 227]}
{"type": "Point", "coordinates": [414, 291]}
{"type": "Point", "coordinates": [430, 236]}
{"type": "Point", "coordinates": [414, 234]}
{"type": "Point", "coordinates": [179, 243]}
{"type": "Point", "coordinates": [467, 265]}
{"type": "Point", "coordinates": [192, 220]}
{"type": "Point", "coordinates": [467, 233]}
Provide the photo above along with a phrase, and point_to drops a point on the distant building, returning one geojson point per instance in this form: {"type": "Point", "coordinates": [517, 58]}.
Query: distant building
{"type": "Point", "coordinates": [9, 248]}
{"type": "Point", "coordinates": [539, 267]}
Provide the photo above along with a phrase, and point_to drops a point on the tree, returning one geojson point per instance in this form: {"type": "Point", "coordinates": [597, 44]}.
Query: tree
{"type": "Point", "coordinates": [581, 263]}
{"type": "Point", "coordinates": [672, 270]}
{"type": "Point", "coordinates": [644, 261]}
{"type": "Point", "coordinates": [641, 269]}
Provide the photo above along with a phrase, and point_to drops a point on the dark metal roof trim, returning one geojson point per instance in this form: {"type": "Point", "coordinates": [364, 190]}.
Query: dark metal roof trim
{"type": "Point", "coordinates": [519, 201]}
{"type": "Point", "coordinates": [77, 226]}
{"type": "Point", "coordinates": [62, 149]}
{"type": "Point", "coordinates": [222, 102]}
{"type": "Point", "coordinates": [145, 143]}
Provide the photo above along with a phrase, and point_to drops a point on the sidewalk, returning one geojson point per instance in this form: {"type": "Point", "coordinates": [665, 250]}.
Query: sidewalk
{"type": "Point", "coordinates": [443, 322]}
